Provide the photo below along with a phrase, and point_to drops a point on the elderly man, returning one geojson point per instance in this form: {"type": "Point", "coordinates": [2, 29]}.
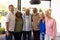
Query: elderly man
{"type": "Point", "coordinates": [27, 25]}
{"type": "Point", "coordinates": [35, 19]}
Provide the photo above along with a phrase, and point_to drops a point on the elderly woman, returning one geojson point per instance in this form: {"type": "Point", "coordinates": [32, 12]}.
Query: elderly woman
{"type": "Point", "coordinates": [42, 25]}
{"type": "Point", "coordinates": [50, 26]}
{"type": "Point", "coordinates": [18, 26]}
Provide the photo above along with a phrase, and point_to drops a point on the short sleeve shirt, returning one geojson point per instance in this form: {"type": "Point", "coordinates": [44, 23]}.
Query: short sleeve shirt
{"type": "Point", "coordinates": [11, 19]}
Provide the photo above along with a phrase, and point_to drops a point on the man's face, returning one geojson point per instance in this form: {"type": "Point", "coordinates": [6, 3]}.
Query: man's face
{"type": "Point", "coordinates": [11, 8]}
{"type": "Point", "coordinates": [27, 11]}
{"type": "Point", "coordinates": [35, 10]}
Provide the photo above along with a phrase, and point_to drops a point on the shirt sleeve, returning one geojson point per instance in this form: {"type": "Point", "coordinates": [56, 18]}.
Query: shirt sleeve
{"type": "Point", "coordinates": [7, 18]}
{"type": "Point", "coordinates": [38, 20]}
{"type": "Point", "coordinates": [54, 29]}
{"type": "Point", "coordinates": [23, 16]}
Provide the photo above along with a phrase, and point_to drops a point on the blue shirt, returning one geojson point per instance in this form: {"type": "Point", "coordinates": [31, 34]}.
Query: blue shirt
{"type": "Point", "coordinates": [42, 27]}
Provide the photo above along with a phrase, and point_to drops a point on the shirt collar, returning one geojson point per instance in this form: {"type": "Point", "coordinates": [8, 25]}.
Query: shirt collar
{"type": "Point", "coordinates": [35, 14]}
{"type": "Point", "coordinates": [11, 13]}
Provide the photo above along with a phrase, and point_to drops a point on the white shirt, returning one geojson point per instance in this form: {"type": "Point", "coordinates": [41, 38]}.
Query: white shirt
{"type": "Point", "coordinates": [27, 23]}
{"type": "Point", "coordinates": [11, 19]}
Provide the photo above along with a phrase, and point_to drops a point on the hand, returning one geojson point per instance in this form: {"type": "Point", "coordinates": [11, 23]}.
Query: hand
{"type": "Point", "coordinates": [52, 39]}
{"type": "Point", "coordinates": [7, 33]}
{"type": "Point", "coordinates": [37, 27]}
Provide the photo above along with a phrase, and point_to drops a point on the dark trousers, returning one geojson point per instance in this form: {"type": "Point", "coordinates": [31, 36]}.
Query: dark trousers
{"type": "Point", "coordinates": [7, 37]}
{"type": "Point", "coordinates": [17, 35]}
{"type": "Point", "coordinates": [26, 35]}
{"type": "Point", "coordinates": [10, 36]}
{"type": "Point", "coordinates": [36, 34]}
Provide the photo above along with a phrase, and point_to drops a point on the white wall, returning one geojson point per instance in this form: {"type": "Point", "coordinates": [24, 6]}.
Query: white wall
{"type": "Point", "coordinates": [56, 12]}
{"type": "Point", "coordinates": [44, 4]}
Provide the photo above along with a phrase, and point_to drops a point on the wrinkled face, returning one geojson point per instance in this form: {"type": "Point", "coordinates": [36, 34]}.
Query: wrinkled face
{"type": "Point", "coordinates": [11, 8]}
{"type": "Point", "coordinates": [27, 11]}
{"type": "Point", "coordinates": [35, 10]}
{"type": "Point", "coordinates": [42, 16]}
{"type": "Point", "coordinates": [18, 14]}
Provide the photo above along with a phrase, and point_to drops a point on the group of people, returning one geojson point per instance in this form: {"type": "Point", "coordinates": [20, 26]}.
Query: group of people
{"type": "Point", "coordinates": [42, 25]}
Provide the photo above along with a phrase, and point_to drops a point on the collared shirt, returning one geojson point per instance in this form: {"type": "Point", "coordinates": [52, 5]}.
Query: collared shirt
{"type": "Point", "coordinates": [36, 18]}
{"type": "Point", "coordinates": [42, 26]}
{"type": "Point", "coordinates": [27, 23]}
{"type": "Point", "coordinates": [11, 19]}
{"type": "Point", "coordinates": [50, 27]}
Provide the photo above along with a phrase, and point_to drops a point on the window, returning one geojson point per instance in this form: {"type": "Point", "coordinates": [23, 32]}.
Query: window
{"type": "Point", "coordinates": [4, 9]}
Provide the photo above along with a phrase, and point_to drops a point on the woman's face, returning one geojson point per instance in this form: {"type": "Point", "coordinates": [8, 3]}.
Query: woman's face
{"type": "Point", "coordinates": [48, 13]}
{"type": "Point", "coordinates": [42, 16]}
{"type": "Point", "coordinates": [18, 14]}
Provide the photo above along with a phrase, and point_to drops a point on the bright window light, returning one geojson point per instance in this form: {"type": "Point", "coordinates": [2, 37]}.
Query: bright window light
{"type": "Point", "coordinates": [44, 4]}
